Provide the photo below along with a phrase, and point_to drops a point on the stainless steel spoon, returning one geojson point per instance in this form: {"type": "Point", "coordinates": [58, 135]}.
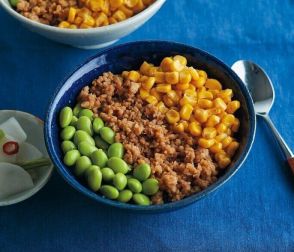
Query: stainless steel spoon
{"type": "Point", "coordinates": [263, 95]}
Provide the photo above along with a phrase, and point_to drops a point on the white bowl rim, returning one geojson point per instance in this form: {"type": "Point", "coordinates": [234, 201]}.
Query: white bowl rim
{"type": "Point", "coordinates": [94, 30]}
{"type": "Point", "coordinates": [43, 182]}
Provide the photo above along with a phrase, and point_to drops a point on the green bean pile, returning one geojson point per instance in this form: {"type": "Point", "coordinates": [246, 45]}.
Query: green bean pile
{"type": "Point", "coordinates": [89, 147]}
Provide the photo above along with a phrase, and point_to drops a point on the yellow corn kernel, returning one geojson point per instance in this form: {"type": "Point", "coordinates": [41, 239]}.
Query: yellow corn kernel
{"type": "Point", "coordinates": [100, 20]}
{"type": "Point", "coordinates": [216, 148]}
{"type": "Point", "coordinates": [199, 82]}
{"type": "Point", "coordinates": [233, 106]}
{"type": "Point", "coordinates": [194, 73]}
{"type": "Point", "coordinates": [186, 111]}
{"type": "Point", "coordinates": [215, 111]}
{"type": "Point", "coordinates": [168, 101]}
{"type": "Point", "coordinates": [219, 103]}
{"type": "Point", "coordinates": [160, 77]}
{"type": "Point", "coordinates": [84, 12]}
{"type": "Point", "coordinates": [85, 26]}
{"type": "Point", "coordinates": [128, 12]}
{"type": "Point", "coordinates": [206, 143]}
{"type": "Point", "coordinates": [192, 87]}
{"type": "Point", "coordinates": [119, 15]}
{"type": "Point", "coordinates": [112, 20]}
{"type": "Point", "coordinates": [151, 99]}
{"type": "Point", "coordinates": [221, 128]}
{"type": "Point", "coordinates": [182, 87]}
{"type": "Point", "coordinates": [125, 74]}
{"type": "Point", "coordinates": [105, 7]}
{"type": "Point", "coordinates": [64, 24]}
{"type": "Point", "coordinates": [179, 127]}
{"type": "Point", "coordinates": [131, 3]}
{"type": "Point", "coordinates": [185, 123]}
{"type": "Point", "coordinates": [220, 155]}
{"type": "Point", "coordinates": [226, 95]}
{"type": "Point", "coordinates": [156, 94]}
{"type": "Point", "coordinates": [173, 95]}
{"type": "Point", "coordinates": [114, 4]}
{"type": "Point", "coordinates": [89, 20]}
{"type": "Point", "coordinates": [232, 148]}
{"type": "Point", "coordinates": [144, 68]}
{"type": "Point", "coordinates": [172, 77]}
{"type": "Point", "coordinates": [202, 74]}
{"type": "Point", "coordinates": [172, 116]}
{"type": "Point", "coordinates": [148, 83]}
{"type": "Point", "coordinates": [163, 88]}
{"type": "Point", "coordinates": [224, 162]}
{"type": "Point", "coordinates": [228, 119]}
{"type": "Point", "coordinates": [139, 6]}
{"type": "Point", "coordinates": [229, 132]}
{"type": "Point", "coordinates": [188, 100]}
{"type": "Point", "coordinates": [201, 115]}
{"type": "Point", "coordinates": [73, 27]}
{"type": "Point", "coordinates": [78, 20]}
{"type": "Point", "coordinates": [143, 78]}
{"type": "Point", "coordinates": [134, 76]}
{"type": "Point", "coordinates": [95, 5]}
{"type": "Point", "coordinates": [205, 104]}
{"type": "Point", "coordinates": [71, 14]}
{"type": "Point", "coordinates": [203, 94]}
{"type": "Point", "coordinates": [195, 129]}
{"type": "Point", "coordinates": [152, 71]}
{"type": "Point", "coordinates": [161, 107]}
{"type": "Point", "coordinates": [220, 137]}
{"type": "Point", "coordinates": [209, 132]}
{"type": "Point", "coordinates": [143, 93]}
{"type": "Point", "coordinates": [180, 59]}
{"type": "Point", "coordinates": [185, 76]}
{"type": "Point", "coordinates": [227, 141]}
{"type": "Point", "coordinates": [214, 92]}
{"type": "Point", "coordinates": [236, 125]}
{"type": "Point", "coordinates": [167, 64]}
{"type": "Point", "coordinates": [212, 121]}
{"type": "Point", "coordinates": [213, 84]}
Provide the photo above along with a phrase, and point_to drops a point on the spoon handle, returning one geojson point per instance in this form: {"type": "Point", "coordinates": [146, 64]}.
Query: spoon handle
{"type": "Point", "coordinates": [285, 148]}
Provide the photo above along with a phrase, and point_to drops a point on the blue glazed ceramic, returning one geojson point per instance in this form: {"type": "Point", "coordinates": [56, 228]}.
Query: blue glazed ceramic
{"type": "Point", "coordinates": [130, 56]}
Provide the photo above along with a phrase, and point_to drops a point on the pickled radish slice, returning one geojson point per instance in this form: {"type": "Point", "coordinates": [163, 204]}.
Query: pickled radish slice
{"type": "Point", "coordinates": [13, 180]}
{"type": "Point", "coordinates": [12, 128]}
{"type": "Point", "coordinates": [3, 156]}
{"type": "Point", "coordinates": [28, 152]}
{"type": "Point", "coordinates": [10, 148]}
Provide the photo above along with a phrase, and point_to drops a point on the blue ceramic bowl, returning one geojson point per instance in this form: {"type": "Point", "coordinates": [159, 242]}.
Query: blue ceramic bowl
{"type": "Point", "coordinates": [130, 56]}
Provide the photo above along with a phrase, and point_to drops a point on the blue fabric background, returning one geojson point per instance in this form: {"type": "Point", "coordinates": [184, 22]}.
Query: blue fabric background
{"type": "Point", "coordinates": [253, 211]}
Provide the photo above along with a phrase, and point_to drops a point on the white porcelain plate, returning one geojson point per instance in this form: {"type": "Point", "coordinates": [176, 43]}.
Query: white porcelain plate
{"type": "Point", "coordinates": [33, 127]}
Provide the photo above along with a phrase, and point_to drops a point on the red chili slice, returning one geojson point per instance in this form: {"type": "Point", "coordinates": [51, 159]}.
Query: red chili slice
{"type": "Point", "coordinates": [10, 148]}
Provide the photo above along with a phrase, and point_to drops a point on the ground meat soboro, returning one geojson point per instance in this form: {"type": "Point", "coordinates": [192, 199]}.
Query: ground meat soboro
{"type": "Point", "coordinates": [180, 166]}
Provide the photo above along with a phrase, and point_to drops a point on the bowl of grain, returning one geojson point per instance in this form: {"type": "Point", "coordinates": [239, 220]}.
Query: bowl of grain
{"type": "Point", "coordinates": [174, 107]}
{"type": "Point", "coordinates": [83, 24]}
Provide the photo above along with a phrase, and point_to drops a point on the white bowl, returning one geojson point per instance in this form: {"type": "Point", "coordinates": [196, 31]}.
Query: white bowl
{"type": "Point", "coordinates": [33, 127]}
{"type": "Point", "coordinates": [92, 38]}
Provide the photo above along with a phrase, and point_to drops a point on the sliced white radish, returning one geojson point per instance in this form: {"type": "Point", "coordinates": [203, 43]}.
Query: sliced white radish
{"type": "Point", "coordinates": [27, 152]}
{"type": "Point", "coordinates": [13, 180]}
{"type": "Point", "coordinates": [11, 127]}
{"type": "Point", "coordinates": [3, 156]}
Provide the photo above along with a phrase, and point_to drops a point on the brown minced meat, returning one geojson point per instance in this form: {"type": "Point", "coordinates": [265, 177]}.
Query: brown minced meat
{"type": "Point", "coordinates": [50, 12]}
{"type": "Point", "coordinates": [180, 166]}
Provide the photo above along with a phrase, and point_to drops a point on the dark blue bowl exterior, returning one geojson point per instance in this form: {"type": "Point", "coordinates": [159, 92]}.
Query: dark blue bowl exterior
{"type": "Point", "coordinates": [130, 56]}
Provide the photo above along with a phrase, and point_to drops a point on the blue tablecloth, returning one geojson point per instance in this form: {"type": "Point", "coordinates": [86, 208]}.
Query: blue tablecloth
{"type": "Point", "coordinates": [254, 211]}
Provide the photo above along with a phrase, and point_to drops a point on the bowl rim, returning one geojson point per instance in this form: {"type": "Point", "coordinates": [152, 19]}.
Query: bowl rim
{"type": "Point", "coordinates": [95, 30]}
{"type": "Point", "coordinates": [168, 206]}
{"type": "Point", "coordinates": [44, 181]}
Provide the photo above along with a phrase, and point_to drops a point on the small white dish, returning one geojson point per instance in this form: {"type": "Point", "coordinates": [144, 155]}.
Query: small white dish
{"type": "Point", "coordinates": [92, 38]}
{"type": "Point", "coordinates": [33, 127]}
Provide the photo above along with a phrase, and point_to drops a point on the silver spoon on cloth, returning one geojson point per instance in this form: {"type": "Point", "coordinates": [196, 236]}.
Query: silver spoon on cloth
{"type": "Point", "coordinates": [263, 95]}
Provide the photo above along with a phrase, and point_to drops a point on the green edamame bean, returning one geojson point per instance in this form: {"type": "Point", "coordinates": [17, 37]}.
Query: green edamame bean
{"type": "Point", "coordinates": [120, 181]}
{"type": "Point", "coordinates": [141, 199]}
{"type": "Point", "coordinates": [94, 177]}
{"type": "Point", "coordinates": [67, 146]}
{"type": "Point", "coordinates": [109, 191]}
{"type": "Point", "coordinates": [125, 195]}
{"type": "Point", "coordinates": [107, 174]}
{"type": "Point", "coordinates": [86, 149]}
{"type": "Point", "coordinates": [14, 3]}
{"type": "Point", "coordinates": [107, 134]}
{"type": "Point", "coordinates": [82, 164]}
{"type": "Point", "coordinates": [134, 185]}
{"type": "Point", "coordinates": [71, 157]}
{"type": "Point", "coordinates": [116, 150]}
{"type": "Point", "coordinates": [81, 136]}
{"type": "Point", "coordinates": [67, 133]}
{"type": "Point", "coordinates": [118, 165]}
{"type": "Point", "coordinates": [84, 123]}
{"type": "Point", "coordinates": [74, 121]}
{"type": "Point", "coordinates": [142, 172]}
{"type": "Point", "coordinates": [99, 158]}
{"type": "Point", "coordinates": [97, 124]}
{"type": "Point", "coordinates": [65, 117]}
{"type": "Point", "coordinates": [86, 112]}
{"type": "Point", "coordinates": [76, 110]}
{"type": "Point", "coordinates": [100, 143]}
{"type": "Point", "coordinates": [150, 186]}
